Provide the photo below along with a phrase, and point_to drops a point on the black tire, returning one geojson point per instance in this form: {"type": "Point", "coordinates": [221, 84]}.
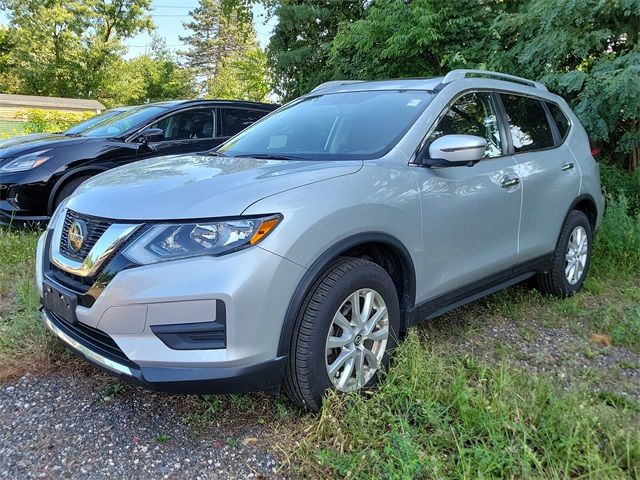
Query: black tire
{"type": "Point", "coordinates": [554, 281]}
{"type": "Point", "coordinates": [67, 189]}
{"type": "Point", "coordinates": [306, 377]}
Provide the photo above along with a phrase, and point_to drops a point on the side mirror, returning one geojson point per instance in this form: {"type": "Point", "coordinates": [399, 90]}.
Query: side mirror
{"type": "Point", "coordinates": [151, 135]}
{"type": "Point", "coordinates": [455, 151]}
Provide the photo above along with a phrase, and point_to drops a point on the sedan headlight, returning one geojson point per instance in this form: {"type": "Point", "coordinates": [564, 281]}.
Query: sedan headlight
{"type": "Point", "coordinates": [182, 240]}
{"type": "Point", "coordinates": [26, 162]}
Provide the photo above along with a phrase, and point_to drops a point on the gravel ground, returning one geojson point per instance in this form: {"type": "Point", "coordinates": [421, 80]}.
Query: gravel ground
{"type": "Point", "coordinates": [61, 425]}
{"type": "Point", "coordinates": [565, 353]}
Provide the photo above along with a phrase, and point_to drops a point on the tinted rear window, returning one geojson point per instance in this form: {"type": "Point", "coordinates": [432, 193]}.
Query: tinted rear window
{"type": "Point", "coordinates": [562, 122]}
{"type": "Point", "coordinates": [237, 119]}
{"type": "Point", "coordinates": [528, 123]}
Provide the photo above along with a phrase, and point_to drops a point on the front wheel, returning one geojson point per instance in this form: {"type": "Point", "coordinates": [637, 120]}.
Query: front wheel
{"type": "Point", "coordinates": [348, 324]}
{"type": "Point", "coordinates": [571, 258]}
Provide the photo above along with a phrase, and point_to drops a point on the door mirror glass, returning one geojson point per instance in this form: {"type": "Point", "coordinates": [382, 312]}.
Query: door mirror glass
{"type": "Point", "coordinates": [456, 151]}
{"type": "Point", "coordinates": [151, 135]}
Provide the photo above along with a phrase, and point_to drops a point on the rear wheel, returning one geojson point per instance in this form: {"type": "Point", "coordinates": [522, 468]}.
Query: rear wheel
{"type": "Point", "coordinates": [571, 258]}
{"type": "Point", "coordinates": [349, 323]}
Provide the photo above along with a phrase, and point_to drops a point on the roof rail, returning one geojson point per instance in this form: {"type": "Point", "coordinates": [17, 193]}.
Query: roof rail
{"type": "Point", "coordinates": [334, 83]}
{"type": "Point", "coordinates": [461, 73]}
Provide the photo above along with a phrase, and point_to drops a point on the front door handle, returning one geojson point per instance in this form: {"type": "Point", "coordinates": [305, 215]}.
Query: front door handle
{"type": "Point", "coordinates": [567, 166]}
{"type": "Point", "coordinates": [510, 181]}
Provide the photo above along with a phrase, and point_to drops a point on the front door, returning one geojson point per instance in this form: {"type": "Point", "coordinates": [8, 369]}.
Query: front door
{"type": "Point", "coordinates": [186, 131]}
{"type": "Point", "coordinates": [470, 215]}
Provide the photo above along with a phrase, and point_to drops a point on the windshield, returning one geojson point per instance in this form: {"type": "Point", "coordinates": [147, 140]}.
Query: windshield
{"type": "Point", "coordinates": [353, 125]}
{"type": "Point", "coordinates": [123, 121]}
{"type": "Point", "coordinates": [82, 126]}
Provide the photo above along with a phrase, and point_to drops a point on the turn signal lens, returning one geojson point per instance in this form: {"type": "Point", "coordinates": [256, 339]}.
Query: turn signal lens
{"type": "Point", "coordinates": [264, 230]}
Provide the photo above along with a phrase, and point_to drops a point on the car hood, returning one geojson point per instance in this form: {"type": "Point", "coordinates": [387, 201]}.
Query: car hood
{"type": "Point", "coordinates": [196, 186]}
{"type": "Point", "coordinates": [23, 144]}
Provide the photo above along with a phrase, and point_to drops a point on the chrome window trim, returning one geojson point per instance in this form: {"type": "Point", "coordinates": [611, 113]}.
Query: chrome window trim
{"type": "Point", "coordinates": [108, 243]}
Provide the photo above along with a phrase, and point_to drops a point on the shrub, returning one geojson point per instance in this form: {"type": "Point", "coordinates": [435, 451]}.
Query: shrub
{"type": "Point", "coordinates": [51, 121]}
{"type": "Point", "coordinates": [617, 247]}
{"type": "Point", "coordinates": [616, 181]}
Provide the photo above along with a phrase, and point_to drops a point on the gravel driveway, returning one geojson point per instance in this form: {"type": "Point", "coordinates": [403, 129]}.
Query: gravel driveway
{"type": "Point", "coordinates": [62, 425]}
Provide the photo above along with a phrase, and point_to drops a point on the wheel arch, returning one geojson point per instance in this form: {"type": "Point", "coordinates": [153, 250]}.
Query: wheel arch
{"type": "Point", "coordinates": [586, 204]}
{"type": "Point", "coordinates": [68, 176]}
{"type": "Point", "coordinates": [381, 248]}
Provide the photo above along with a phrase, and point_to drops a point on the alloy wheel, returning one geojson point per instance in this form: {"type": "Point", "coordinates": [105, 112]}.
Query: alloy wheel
{"type": "Point", "coordinates": [576, 255]}
{"type": "Point", "coordinates": [357, 340]}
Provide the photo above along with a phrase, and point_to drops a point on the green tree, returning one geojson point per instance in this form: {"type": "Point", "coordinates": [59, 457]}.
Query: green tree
{"type": "Point", "coordinates": [419, 38]}
{"type": "Point", "coordinates": [242, 76]}
{"type": "Point", "coordinates": [588, 52]}
{"type": "Point", "coordinates": [152, 77]}
{"type": "Point", "coordinates": [67, 47]}
{"type": "Point", "coordinates": [217, 32]}
{"type": "Point", "coordinates": [299, 47]}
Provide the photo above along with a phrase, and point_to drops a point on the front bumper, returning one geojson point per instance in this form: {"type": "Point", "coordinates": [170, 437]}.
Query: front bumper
{"type": "Point", "coordinates": [12, 217]}
{"type": "Point", "coordinates": [264, 376]}
{"type": "Point", "coordinates": [24, 198]}
{"type": "Point", "coordinates": [135, 321]}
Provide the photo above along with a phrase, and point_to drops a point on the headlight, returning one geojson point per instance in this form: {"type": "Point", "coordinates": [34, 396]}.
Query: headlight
{"type": "Point", "coordinates": [27, 162]}
{"type": "Point", "coordinates": [181, 240]}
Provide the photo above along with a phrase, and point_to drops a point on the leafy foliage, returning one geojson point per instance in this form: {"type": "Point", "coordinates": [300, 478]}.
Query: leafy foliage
{"type": "Point", "coordinates": [241, 76]}
{"type": "Point", "coordinates": [67, 47]}
{"type": "Point", "coordinates": [299, 47]}
{"type": "Point", "coordinates": [51, 121]}
{"type": "Point", "coordinates": [422, 38]}
{"type": "Point", "coordinates": [222, 35]}
{"type": "Point", "coordinates": [586, 51]}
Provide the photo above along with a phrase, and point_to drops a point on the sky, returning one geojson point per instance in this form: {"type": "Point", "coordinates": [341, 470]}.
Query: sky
{"type": "Point", "coordinates": [168, 16]}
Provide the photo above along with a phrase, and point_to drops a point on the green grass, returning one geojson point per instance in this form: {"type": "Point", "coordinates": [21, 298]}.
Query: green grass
{"type": "Point", "coordinates": [439, 415]}
{"type": "Point", "coordinates": [24, 342]}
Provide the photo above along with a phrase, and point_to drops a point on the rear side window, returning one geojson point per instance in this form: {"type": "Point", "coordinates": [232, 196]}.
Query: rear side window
{"type": "Point", "coordinates": [238, 119]}
{"type": "Point", "coordinates": [562, 122]}
{"type": "Point", "coordinates": [528, 123]}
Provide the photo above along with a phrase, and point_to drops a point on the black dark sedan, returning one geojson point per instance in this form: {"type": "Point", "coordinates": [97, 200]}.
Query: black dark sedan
{"type": "Point", "coordinates": [38, 171]}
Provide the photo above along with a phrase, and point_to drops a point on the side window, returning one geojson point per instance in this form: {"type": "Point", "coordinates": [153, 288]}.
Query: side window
{"type": "Point", "coordinates": [528, 123]}
{"type": "Point", "coordinates": [472, 114]}
{"type": "Point", "coordinates": [562, 122]}
{"type": "Point", "coordinates": [191, 124]}
{"type": "Point", "coordinates": [238, 119]}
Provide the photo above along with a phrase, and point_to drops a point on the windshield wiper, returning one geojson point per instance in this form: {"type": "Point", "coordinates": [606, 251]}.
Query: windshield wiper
{"type": "Point", "coordinates": [215, 153]}
{"type": "Point", "coordinates": [273, 156]}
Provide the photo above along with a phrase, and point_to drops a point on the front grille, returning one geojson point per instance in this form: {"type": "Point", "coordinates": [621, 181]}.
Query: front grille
{"type": "Point", "coordinates": [95, 229]}
{"type": "Point", "coordinates": [93, 338]}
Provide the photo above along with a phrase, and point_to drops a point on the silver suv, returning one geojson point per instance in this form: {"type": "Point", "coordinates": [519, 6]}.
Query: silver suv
{"type": "Point", "coordinates": [302, 250]}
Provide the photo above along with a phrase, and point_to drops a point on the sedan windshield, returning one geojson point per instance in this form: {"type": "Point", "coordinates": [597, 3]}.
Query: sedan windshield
{"type": "Point", "coordinates": [123, 121]}
{"type": "Point", "coordinates": [82, 126]}
{"type": "Point", "coordinates": [353, 125]}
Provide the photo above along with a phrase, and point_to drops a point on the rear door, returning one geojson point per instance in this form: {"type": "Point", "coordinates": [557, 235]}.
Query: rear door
{"type": "Point", "coordinates": [237, 119]}
{"type": "Point", "coordinates": [186, 131]}
{"type": "Point", "coordinates": [470, 215]}
{"type": "Point", "coordinates": [549, 173]}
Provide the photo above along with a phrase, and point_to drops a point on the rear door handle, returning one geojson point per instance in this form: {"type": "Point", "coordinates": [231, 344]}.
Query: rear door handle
{"type": "Point", "coordinates": [510, 181]}
{"type": "Point", "coordinates": [567, 166]}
